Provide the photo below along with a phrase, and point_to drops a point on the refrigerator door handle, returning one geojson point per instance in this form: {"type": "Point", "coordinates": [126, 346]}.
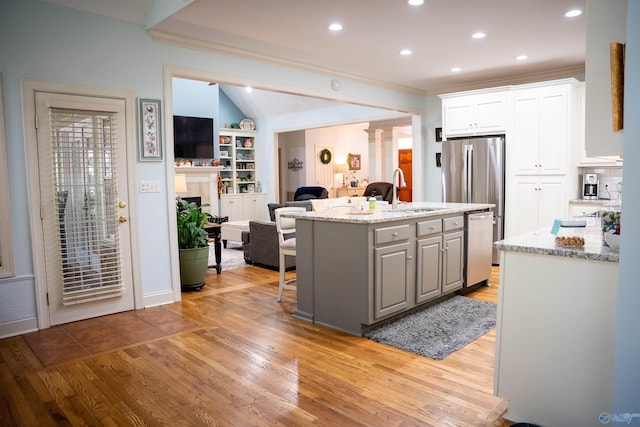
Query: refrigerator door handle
{"type": "Point", "coordinates": [468, 171]}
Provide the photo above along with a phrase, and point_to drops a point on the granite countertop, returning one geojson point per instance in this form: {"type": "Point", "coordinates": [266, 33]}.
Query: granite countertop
{"type": "Point", "coordinates": [543, 243]}
{"type": "Point", "coordinates": [600, 202]}
{"type": "Point", "coordinates": [385, 214]}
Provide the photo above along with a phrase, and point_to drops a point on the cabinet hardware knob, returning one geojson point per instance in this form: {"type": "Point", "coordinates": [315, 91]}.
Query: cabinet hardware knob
{"type": "Point", "coordinates": [122, 219]}
{"type": "Point", "coordinates": [395, 234]}
{"type": "Point", "coordinates": [410, 257]}
{"type": "Point", "coordinates": [122, 204]}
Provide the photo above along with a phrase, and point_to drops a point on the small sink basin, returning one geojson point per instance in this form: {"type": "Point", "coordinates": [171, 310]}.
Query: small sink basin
{"type": "Point", "coordinates": [425, 209]}
{"type": "Point", "coordinates": [408, 209]}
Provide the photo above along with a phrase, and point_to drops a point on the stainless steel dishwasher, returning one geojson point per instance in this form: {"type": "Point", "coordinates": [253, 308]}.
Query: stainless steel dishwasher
{"type": "Point", "coordinates": [479, 247]}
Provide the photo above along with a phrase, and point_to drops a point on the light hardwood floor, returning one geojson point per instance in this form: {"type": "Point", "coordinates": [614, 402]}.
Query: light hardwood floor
{"type": "Point", "coordinates": [231, 355]}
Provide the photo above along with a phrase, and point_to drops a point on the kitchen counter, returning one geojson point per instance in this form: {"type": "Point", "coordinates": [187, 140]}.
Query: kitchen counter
{"type": "Point", "coordinates": [555, 329]}
{"type": "Point", "coordinates": [385, 213]}
{"type": "Point", "coordinates": [543, 243]}
{"type": "Point", "coordinates": [355, 269]}
{"type": "Point", "coordinates": [601, 202]}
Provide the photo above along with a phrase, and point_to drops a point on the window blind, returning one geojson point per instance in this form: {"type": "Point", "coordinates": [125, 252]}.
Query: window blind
{"type": "Point", "coordinates": [84, 154]}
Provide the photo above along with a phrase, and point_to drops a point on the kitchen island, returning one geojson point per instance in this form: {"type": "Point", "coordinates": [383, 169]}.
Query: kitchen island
{"type": "Point", "coordinates": [355, 269]}
{"type": "Point", "coordinates": [555, 329]}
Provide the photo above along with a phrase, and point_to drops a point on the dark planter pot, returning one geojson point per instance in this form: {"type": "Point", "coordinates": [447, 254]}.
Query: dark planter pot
{"type": "Point", "coordinates": [193, 268]}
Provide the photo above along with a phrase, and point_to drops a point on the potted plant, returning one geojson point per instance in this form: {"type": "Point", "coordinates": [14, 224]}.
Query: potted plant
{"type": "Point", "coordinates": [193, 243]}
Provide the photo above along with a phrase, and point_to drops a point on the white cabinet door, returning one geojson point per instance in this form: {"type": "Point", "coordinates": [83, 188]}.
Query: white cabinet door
{"type": "Point", "coordinates": [480, 114]}
{"type": "Point", "coordinates": [458, 116]}
{"type": "Point", "coordinates": [541, 138]}
{"type": "Point", "coordinates": [538, 202]}
{"type": "Point", "coordinates": [553, 201]}
{"type": "Point", "coordinates": [254, 206]}
{"type": "Point", "coordinates": [231, 206]}
{"type": "Point", "coordinates": [490, 114]}
{"type": "Point", "coordinates": [525, 133]}
{"type": "Point", "coordinates": [554, 131]}
{"type": "Point", "coordinates": [524, 216]}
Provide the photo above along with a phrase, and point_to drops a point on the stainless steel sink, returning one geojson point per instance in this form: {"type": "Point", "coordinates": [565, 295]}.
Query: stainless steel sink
{"type": "Point", "coordinates": [425, 209]}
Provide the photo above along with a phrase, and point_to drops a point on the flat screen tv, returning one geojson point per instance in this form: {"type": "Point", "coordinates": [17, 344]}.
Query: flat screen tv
{"type": "Point", "coordinates": [193, 137]}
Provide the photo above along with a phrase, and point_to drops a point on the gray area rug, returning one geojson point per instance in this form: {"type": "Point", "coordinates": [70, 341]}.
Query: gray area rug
{"type": "Point", "coordinates": [439, 330]}
{"type": "Point", "coordinates": [232, 256]}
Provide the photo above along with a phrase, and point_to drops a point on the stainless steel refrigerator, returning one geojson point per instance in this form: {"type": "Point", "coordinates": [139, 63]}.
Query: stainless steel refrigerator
{"type": "Point", "coordinates": [473, 172]}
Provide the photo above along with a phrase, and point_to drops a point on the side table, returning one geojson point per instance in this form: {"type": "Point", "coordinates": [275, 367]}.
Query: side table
{"type": "Point", "coordinates": [213, 230]}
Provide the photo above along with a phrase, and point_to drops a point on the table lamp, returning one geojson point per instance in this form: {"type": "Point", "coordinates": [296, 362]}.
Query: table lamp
{"type": "Point", "coordinates": [180, 183]}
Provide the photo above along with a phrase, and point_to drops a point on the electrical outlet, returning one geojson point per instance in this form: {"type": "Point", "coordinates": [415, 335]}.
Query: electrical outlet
{"type": "Point", "coordinates": [149, 186]}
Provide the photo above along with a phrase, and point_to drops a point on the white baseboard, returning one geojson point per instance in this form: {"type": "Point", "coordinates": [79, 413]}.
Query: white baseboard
{"type": "Point", "coordinates": [18, 327]}
{"type": "Point", "coordinates": [158, 298]}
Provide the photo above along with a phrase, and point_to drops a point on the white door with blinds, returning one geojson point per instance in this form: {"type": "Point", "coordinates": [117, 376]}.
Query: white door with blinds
{"type": "Point", "coordinates": [84, 205]}
{"type": "Point", "coordinates": [324, 171]}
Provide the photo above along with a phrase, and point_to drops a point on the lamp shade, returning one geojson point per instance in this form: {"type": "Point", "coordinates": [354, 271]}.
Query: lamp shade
{"type": "Point", "coordinates": [181, 183]}
{"type": "Point", "coordinates": [341, 168]}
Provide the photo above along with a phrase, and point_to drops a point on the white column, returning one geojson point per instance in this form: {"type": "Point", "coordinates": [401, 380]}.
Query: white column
{"type": "Point", "coordinates": [375, 154]}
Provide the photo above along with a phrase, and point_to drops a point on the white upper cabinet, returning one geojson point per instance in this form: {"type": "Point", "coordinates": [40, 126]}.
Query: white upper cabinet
{"type": "Point", "coordinates": [541, 137]}
{"type": "Point", "coordinates": [474, 114]}
{"type": "Point", "coordinates": [583, 159]}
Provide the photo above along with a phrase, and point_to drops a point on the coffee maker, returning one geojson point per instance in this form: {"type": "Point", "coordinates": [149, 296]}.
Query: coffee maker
{"type": "Point", "coordinates": [590, 186]}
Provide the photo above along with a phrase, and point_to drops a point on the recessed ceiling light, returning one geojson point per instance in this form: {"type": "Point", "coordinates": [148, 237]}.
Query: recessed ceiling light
{"type": "Point", "coordinates": [456, 69]}
{"type": "Point", "coordinates": [415, 2]}
{"type": "Point", "coordinates": [573, 13]}
{"type": "Point", "coordinates": [248, 89]}
{"type": "Point", "coordinates": [478, 35]}
{"type": "Point", "coordinates": [521, 57]}
{"type": "Point", "coordinates": [335, 27]}
{"type": "Point", "coordinates": [406, 52]}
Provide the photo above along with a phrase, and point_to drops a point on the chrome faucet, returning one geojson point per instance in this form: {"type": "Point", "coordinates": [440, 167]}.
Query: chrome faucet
{"type": "Point", "coordinates": [403, 184]}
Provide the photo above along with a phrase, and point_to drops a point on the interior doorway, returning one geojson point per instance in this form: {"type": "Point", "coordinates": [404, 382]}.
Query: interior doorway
{"type": "Point", "coordinates": [405, 163]}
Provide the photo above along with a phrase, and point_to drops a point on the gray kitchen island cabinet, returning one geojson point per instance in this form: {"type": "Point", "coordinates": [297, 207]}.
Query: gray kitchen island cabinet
{"type": "Point", "coordinates": [355, 270]}
{"type": "Point", "coordinates": [440, 258]}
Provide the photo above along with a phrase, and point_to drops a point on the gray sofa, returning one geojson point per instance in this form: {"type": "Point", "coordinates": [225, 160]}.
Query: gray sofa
{"type": "Point", "coordinates": [260, 243]}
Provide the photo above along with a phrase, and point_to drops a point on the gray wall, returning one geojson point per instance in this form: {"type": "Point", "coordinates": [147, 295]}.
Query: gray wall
{"type": "Point", "coordinates": [627, 359]}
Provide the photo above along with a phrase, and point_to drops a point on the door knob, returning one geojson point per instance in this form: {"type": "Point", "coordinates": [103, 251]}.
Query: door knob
{"type": "Point", "coordinates": [122, 219]}
{"type": "Point", "coordinates": [122, 204]}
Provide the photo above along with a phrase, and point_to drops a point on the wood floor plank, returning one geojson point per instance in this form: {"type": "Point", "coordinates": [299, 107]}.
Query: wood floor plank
{"type": "Point", "coordinates": [231, 355]}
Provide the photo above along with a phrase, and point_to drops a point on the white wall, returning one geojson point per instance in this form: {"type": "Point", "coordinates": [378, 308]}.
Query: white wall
{"type": "Point", "coordinates": [42, 41]}
{"type": "Point", "coordinates": [344, 139]}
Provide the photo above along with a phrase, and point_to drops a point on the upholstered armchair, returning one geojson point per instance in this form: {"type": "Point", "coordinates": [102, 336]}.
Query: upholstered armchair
{"type": "Point", "coordinates": [379, 190]}
{"type": "Point", "coordinates": [307, 193]}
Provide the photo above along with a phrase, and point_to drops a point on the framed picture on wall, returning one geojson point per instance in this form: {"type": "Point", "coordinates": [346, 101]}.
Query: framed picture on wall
{"type": "Point", "coordinates": [354, 162]}
{"type": "Point", "coordinates": [150, 144]}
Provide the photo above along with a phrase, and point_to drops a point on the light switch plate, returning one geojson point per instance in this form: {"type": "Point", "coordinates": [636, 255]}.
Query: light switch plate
{"type": "Point", "coordinates": [149, 186]}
